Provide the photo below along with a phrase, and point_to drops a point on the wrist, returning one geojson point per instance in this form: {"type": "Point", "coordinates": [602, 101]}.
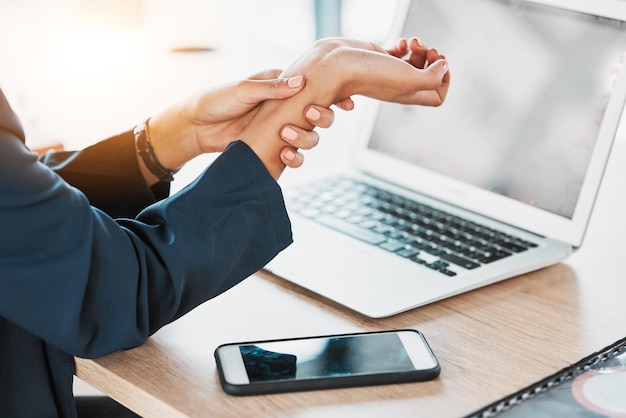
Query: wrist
{"type": "Point", "coordinates": [152, 169]}
{"type": "Point", "coordinates": [173, 138]}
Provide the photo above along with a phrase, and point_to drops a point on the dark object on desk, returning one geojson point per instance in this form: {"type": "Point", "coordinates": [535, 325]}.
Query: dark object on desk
{"type": "Point", "coordinates": [593, 387]}
{"type": "Point", "coordinates": [325, 362]}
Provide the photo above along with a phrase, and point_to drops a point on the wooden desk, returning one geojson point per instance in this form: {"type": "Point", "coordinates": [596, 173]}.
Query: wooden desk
{"type": "Point", "coordinates": [490, 342]}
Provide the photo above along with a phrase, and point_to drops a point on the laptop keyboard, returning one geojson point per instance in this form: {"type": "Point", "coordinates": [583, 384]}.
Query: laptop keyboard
{"type": "Point", "coordinates": [436, 239]}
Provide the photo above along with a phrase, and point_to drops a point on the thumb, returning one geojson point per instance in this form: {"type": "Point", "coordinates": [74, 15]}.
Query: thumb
{"type": "Point", "coordinates": [255, 91]}
{"type": "Point", "coordinates": [439, 68]}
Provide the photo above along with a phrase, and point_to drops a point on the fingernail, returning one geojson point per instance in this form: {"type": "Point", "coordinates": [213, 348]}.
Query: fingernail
{"type": "Point", "coordinates": [313, 114]}
{"type": "Point", "coordinates": [289, 134]}
{"type": "Point", "coordinates": [290, 155]}
{"type": "Point", "coordinates": [296, 81]}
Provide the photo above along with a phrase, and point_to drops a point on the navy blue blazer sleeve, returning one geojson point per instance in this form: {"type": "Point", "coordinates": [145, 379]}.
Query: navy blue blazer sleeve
{"type": "Point", "coordinates": [108, 175]}
{"type": "Point", "coordinates": [90, 284]}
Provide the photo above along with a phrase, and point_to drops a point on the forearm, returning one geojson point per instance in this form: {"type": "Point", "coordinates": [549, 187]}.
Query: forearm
{"type": "Point", "coordinates": [122, 280]}
{"type": "Point", "coordinates": [108, 174]}
{"type": "Point", "coordinates": [339, 68]}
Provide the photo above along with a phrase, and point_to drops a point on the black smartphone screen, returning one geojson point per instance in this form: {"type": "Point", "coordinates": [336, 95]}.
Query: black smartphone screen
{"type": "Point", "coordinates": [325, 362]}
{"type": "Point", "coordinates": [325, 357]}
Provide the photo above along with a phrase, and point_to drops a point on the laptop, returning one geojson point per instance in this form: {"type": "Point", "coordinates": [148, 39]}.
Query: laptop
{"type": "Point", "coordinates": [498, 181]}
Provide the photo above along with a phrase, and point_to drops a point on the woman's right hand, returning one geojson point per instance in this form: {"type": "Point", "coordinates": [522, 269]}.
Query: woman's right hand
{"type": "Point", "coordinates": [338, 68]}
{"type": "Point", "coordinates": [408, 73]}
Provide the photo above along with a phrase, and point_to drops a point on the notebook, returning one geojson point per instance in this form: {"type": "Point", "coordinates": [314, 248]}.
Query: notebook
{"type": "Point", "coordinates": [515, 155]}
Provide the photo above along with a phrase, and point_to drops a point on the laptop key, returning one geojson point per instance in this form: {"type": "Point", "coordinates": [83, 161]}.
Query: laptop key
{"type": "Point", "coordinates": [355, 231]}
{"type": "Point", "coordinates": [392, 245]}
{"type": "Point", "coordinates": [411, 230]}
{"type": "Point", "coordinates": [407, 252]}
{"type": "Point", "coordinates": [495, 256]}
{"type": "Point", "coordinates": [459, 261]}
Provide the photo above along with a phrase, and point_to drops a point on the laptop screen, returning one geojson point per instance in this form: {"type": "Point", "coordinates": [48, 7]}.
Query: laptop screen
{"type": "Point", "coordinates": [529, 88]}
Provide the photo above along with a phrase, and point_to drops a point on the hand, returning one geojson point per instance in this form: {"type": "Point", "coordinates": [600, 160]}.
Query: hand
{"type": "Point", "coordinates": [418, 55]}
{"type": "Point", "coordinates": [208, 121]}
{"type": "Point", "coordinates": [299, 138]}
{"type": "Point", "coordinates": [220, 115]}
{"type": "Point", "coordinates": [236, 107]}
{"type": "Point", "coordinates": [359, 67]}
{"type": "Point", "coordinates": [337, 68]}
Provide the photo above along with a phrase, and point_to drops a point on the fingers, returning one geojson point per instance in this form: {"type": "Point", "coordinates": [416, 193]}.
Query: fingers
{"type": "Point", "coordinates": [319, 116]}
{"type": "Point", "coordinates": [427, 83]}
{"type": "Point", "coordinates": [433, 85]}
{"type": "Point", "coordinates": [266, 85]}
{"type": "Point", "coordinates": [439, 71]}
{"type": "Point", "coordinates": [291, 158]}
{"type": "Point", "coordinates": [345, 104]}
{"type": "Point", "coordinates": [256, 90]}
{"type": "Point", "coordinates": [419, 53]}
{"type": "Point", "coordinates": [299, 138]}
{"type": "Point", "coordinates": [400, 49]}
{"type": "Point", "coordinates": [436, 67]}
{"type": "Point", "coordinates": [415, 52]}
{"type": "Point", "coordinates": [266, 74]}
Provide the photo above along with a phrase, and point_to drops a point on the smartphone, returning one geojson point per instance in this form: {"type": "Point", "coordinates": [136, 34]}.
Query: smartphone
{"type": "Point", "coordinates": [325, 362]}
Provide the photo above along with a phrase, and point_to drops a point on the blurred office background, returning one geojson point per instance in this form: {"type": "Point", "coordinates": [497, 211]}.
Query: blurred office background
{"type": "Point", "coordinates": [77, 71]}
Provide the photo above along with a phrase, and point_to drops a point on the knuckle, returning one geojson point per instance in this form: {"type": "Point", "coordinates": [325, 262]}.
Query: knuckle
{"type": "Point", "coordinates": [313, 140]}
{"type": "Point", "coordinates": [328, 118]}
{"type": "Point", "coordinates": [276, 83]}
{"type": "Point", "coordinates": [307, 139]}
